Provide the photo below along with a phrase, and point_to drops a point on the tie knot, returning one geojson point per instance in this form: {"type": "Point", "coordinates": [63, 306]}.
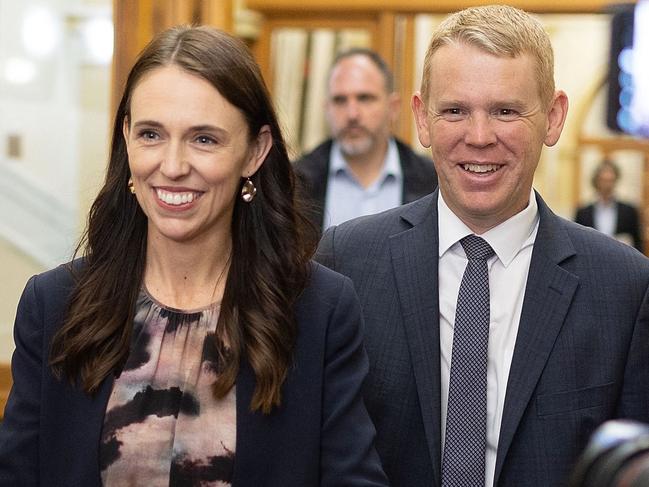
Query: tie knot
{"type": "Point", "coordinates": [476, 248]}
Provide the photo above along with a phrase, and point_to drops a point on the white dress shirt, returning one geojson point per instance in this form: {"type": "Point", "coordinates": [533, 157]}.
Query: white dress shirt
{"type": "Point", "coordinates": [512, 242]}
{"type": "Point", "coordinates": [605, 217]}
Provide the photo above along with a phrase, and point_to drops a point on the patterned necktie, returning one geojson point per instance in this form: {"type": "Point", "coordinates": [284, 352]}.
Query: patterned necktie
{"type": "Point", "coordinates": [463, 464]}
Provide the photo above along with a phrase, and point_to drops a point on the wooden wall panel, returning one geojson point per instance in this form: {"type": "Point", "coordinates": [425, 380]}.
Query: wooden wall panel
{"type": "Point", "coordinates": [262, 47]}
{"type": "Point", "coordinates": [218, 13]}
{"type": "Point", "coordinates": [5, 386]}
{"type": "Point", "coordinates": [137, 21]}
{"type": "Point", "coordinates": [381, 26]}
{"type": "Point", "coordinates": [424, 6]}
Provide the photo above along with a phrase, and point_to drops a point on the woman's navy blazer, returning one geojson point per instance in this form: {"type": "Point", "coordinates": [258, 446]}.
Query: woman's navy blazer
{"type": "Point", "coordinates": [320, 435]}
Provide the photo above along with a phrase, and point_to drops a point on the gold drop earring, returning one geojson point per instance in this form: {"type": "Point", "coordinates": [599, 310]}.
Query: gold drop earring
{"type": "Point", "coordinates": [248, 191]}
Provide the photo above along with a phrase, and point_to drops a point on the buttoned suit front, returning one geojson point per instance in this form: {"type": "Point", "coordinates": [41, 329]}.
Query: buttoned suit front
{"type": "Point", "coordinates": [581, 354]}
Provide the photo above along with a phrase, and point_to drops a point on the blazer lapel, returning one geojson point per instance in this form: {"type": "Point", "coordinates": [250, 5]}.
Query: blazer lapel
{"type": "Point", "coordinates": [548, 294]}
{"type": "Point", "coordinates": [247, 423]}
{"type": "Point", "coordinates": [98, 413]}
{"type": "Point", "coordinates": [82, 418]}
{"type": "Point", "coordinates": [414, 254]}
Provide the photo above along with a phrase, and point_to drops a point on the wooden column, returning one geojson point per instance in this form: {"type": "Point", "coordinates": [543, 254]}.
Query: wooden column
{"type": "Point", "coordinates": [218, 13]}
{"type": "Point", "coordinates": [5, 386]}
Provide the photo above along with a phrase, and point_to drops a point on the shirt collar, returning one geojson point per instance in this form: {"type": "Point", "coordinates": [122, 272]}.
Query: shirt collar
{"type": "Point", "coordinates": [391, 165]}
{"type": "Point", "coordinates": [605, 204]}
{"type": "Point", "coordinates": [507, 239]}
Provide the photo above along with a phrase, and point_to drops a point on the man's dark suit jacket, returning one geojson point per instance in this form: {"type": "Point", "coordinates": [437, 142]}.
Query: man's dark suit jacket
{"type": "Point", "coordinates": [581, 354]}
{"type": "Point", "coordinates": [628, 221]}
{"type": "Point", "coordinates": [321, 434]}
{"type": "Point", "coordinates": [419, 176]}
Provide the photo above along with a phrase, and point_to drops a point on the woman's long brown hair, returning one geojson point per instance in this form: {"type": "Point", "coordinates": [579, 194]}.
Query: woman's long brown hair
{"type": "Point", "coordinates": [271, 238]}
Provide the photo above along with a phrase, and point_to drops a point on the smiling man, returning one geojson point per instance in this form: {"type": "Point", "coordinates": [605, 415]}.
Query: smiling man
{"type": "Point", "coordinates": [362, 169]}
{"type": "Point", "coordinates": [499, 334]}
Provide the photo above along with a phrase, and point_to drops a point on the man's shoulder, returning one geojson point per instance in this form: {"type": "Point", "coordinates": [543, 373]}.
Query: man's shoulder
{"type": "Point", "coordinates": [583, 214]}
{"type": "Point", "coordinates": [409, 156]}
{"type": "Point", "coordinates": [317, 159]}
{"type": "Point", "coordinates": [626, 206]}
{"type": "Point", "coordinates": [381, 226]}
{"type": "Point", "coordinates": [584, 208]}
{"type": "Point", "coordinates": [602, 250]}
{"type": "Point", "coordinates": [419, 173]}
{"type": "Point", "coordinates": [413, 155]}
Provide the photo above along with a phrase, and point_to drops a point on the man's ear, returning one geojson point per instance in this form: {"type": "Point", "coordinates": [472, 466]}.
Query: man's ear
{"type": "Point", "coordinates": [261, 147]}
{"type": "Point", "coordinates": [556, 118]}
{"type": "Point", "coordinates": [420, 111]}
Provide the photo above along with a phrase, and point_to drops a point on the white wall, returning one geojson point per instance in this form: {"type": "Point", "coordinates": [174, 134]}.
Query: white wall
{"type": "Point", "coordinates": [61, 117]}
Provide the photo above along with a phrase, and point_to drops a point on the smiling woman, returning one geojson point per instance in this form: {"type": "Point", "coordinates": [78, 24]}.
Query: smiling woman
{"type": "Point", "coordinates": [188, 149]}
{"type": "Point", "coordinates": [193, 335]}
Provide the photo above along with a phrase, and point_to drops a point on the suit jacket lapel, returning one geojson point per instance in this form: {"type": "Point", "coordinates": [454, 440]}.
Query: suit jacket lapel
{"type": "Point", "coordinates": [548, 294]}
{"type": "Point", "coordinates": [414, 254]}
{"type": "Point", "coordinates": [319, 178]}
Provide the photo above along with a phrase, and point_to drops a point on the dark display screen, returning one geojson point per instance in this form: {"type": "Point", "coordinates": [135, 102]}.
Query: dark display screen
{"type": "Point", "coordinates": [628, 94]}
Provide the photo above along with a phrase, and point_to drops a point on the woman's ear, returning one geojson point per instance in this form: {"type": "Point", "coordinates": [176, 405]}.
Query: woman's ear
{"type": "Point", "coordinates": [126, 129]}
{"type": "Point", "coordinates": [261, 147]}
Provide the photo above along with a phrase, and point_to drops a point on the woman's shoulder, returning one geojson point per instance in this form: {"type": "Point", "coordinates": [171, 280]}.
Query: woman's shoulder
{"type": "Point", "coordinates": [327, 284]}
{"type": "Point", "coordinates": [45, 298]}
{"type": "Point", "coordinates": [326, 292]}
{"type": "Point", "coordinates": [55, 284]}
{"type": "Point", "coordinates": [328, 315]}
{"type": "Point", "coordinates": [60, 275]}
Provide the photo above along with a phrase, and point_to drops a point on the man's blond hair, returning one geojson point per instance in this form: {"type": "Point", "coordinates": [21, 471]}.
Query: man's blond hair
{"type": "Point", "coordinates": [500, 30]}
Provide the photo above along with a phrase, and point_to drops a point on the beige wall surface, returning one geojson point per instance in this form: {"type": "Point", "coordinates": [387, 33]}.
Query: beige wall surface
{"type": "Point", "coordinates": [17, 268]}
{"type": "Point", "coordinates": [60, 113]}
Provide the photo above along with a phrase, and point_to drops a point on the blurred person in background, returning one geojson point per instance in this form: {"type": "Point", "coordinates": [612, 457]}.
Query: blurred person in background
{"type": "Point", "coordinates": [193, 342]}
{"type": "Point", "coordinates": [609, 215]}
{"type": "Point", "coordinates": [363, 168]}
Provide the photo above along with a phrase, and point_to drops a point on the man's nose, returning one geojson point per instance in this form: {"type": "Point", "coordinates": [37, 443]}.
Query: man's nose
{"type": "Point", "coordinates": [352, 109]}
{"type": "Point", "coordinates": [479, 130]}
